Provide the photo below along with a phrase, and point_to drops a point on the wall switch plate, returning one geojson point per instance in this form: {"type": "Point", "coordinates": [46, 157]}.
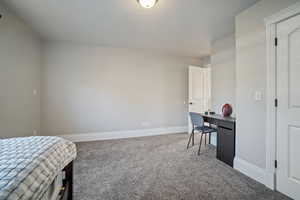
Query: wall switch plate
{"type": "Point", "coordinates": [258, 95]}
{"type": "Point", "coordinates": [34, 132]}
{"type": "Point", "coordinates": [34, 92]}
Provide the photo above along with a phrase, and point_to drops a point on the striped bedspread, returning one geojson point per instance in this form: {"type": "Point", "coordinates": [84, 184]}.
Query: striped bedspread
{"type": "Point", "coordinates": [29, 165]}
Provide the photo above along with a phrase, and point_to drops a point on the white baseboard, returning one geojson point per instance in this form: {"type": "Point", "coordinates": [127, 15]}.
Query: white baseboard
{"type": "Point", "coordinates": [85, 137]}
{"type": "Point", "coordinates": [250, 170]}
{"type": "Point", "coordinates": [270, 180]}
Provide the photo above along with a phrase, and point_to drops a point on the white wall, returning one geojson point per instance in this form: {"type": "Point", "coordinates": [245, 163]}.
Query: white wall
{"type": "Point", "coordinates": [20, 61]}
{"type": "Point", "coordinates": [94, 89]}
{"type": "Point", "coordinates": [223, 73]}
{"type": "Point", "coordinates": [205, 61]}
{"type": "Point", "coordinates": [251, 76]}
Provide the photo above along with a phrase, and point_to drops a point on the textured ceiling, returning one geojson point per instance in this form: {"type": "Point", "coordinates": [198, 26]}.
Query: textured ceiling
{"type": "Point", "coordinates": [181, 27]}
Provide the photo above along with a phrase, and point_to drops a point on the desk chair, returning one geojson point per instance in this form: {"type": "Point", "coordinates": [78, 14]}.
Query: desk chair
{"type": "Point", "coordinates": [198, 125]}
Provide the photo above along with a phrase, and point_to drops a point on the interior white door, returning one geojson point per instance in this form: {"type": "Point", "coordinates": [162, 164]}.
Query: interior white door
{"type": "Point", "coordinates": [288, 119]}
{"type": "Point", "coordinates": [199, 90]}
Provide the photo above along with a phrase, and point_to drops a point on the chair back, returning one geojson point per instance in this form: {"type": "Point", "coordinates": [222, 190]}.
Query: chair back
{"type": "Point", "coordinates": [197, 119]}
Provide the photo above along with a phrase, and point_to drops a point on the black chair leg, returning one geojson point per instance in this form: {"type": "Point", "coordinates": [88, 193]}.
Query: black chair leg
{"type": "Point", "coordinates": [200, 144]}
{"type": "Point", "coordinates": [193, 143]}
{"type": "Point", "coordinates": [190, 139]}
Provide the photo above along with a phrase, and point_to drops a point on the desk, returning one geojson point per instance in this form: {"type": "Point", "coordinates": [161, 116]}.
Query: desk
{"type": "Point", "coordinates": [225, 136]}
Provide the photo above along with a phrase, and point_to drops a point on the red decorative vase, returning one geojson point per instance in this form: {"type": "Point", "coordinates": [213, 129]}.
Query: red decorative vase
{"type": "Point", "coordinates": [227, 110]}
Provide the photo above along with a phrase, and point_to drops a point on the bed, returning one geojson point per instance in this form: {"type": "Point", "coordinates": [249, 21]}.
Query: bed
{"type": "Point", "coordinates": [36, 168]}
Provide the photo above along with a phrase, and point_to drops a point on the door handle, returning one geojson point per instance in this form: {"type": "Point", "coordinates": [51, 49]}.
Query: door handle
{"type": "Point", "coordinates": [191, 103]}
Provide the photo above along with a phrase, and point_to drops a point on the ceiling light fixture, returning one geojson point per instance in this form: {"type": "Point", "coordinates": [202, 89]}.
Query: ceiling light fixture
{"type": "Point", "coordinates": [147, 3]}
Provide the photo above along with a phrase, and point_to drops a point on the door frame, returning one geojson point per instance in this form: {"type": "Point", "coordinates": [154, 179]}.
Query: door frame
{"type": "Point", "coordinates": [271, 92]}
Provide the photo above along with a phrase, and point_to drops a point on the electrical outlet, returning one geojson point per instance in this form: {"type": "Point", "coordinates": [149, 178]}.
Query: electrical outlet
{"type": "Point", "coordinates": [34, 132]}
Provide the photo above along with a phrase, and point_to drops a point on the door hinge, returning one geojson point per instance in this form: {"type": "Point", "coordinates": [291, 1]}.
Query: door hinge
{"type": "Point", "coordinates": [275, 164]}
{"type": "Point", "coordinates": [276, 103]}
{"type": "Point", "coordinates": [276, 41]}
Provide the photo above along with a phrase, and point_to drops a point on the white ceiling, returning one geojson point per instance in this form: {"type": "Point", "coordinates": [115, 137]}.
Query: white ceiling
{"type": "Point", "coordinates": [181, 27]}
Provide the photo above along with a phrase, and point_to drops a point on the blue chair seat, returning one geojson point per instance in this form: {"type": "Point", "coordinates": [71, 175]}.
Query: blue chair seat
{"type": "Point", "coordinates": [198, 124]}
{"type": "Point", "coordinates": [205, 129]}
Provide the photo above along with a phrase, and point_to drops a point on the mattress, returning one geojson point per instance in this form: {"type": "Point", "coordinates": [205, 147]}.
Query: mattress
{"type": "Point", "coordinates": [28, 166]}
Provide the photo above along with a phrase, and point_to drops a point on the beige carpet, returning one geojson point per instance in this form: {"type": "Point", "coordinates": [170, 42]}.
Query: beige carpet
{"type": "Point", "coordinates": [158, 168]}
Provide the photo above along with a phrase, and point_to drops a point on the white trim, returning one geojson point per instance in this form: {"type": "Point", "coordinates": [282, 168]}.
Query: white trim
{"type": "Point", "coordinates": [270, 100]}
{"type": "Point", "coordinates": [250, 170]}
{"type": "Point", "coordinates": [207, 66]}
{"type": "Point", "coordinates": [271, 90]}
{"type": "Point", "coordinates": [85, 137]}
{"type": "Point", "coordinates": [283, 14]}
